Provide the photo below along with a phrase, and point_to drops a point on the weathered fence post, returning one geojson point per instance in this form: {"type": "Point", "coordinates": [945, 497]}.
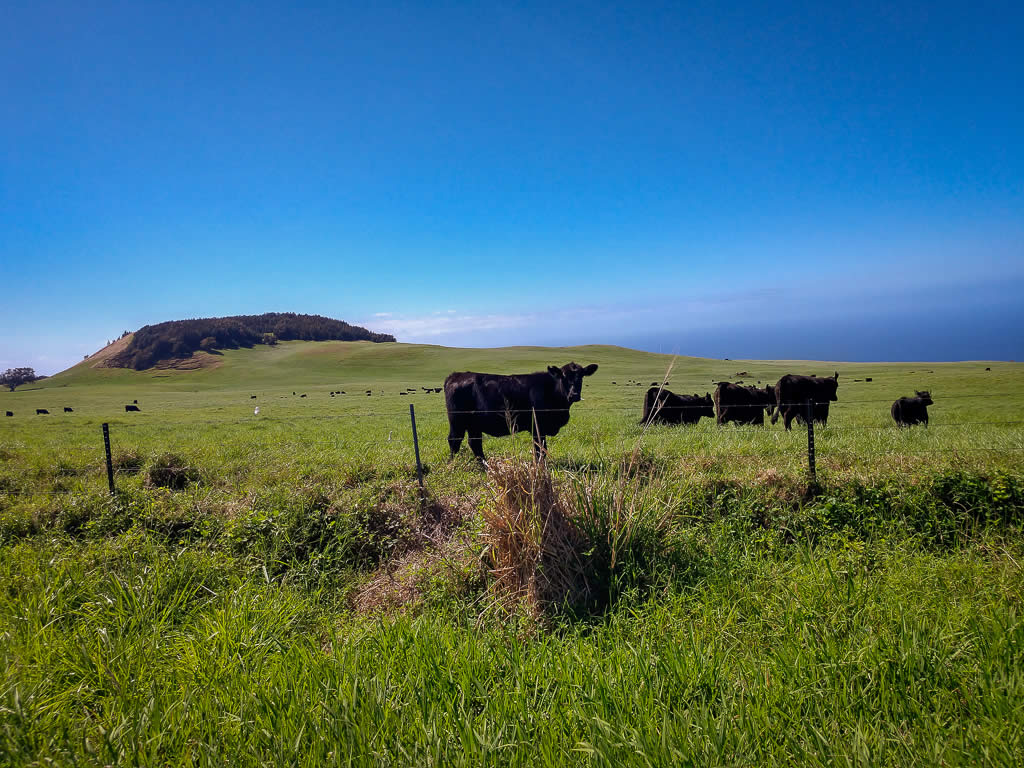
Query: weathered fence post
{"type": "Point", "coordinates": [110, 463]}
{"type": "Point", "coordinates": [810, 440]}
{"type": "Point", "coordinates": [416, 444]}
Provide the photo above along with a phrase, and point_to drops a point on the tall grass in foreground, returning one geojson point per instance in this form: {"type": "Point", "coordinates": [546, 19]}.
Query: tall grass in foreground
{"type": "Point", "coordinates": [852, 653]}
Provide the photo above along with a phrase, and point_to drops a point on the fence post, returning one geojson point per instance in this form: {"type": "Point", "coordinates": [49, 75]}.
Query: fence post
{"type": "Point", "coordinates": [416, 444]}
{"type": "Point", "coordinates": [110, 463]}
{"type": "Point", "coordinates": [810, 440]}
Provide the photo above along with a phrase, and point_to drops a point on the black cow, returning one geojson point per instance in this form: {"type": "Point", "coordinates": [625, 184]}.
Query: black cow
{"type": "Point", "coordinates": [912, 410]}
{"type": "Point", "coordinates": [743, 405]}
{"type": "Point", "coordinates": [68, 410]}
{"type": "Point", "coordinates": [487, 403]}
{"type": "Point", "coordinates": [301, 395]}
{"type": "Point", "coordinates": [252, 397]}
{"type": "Point", "coordinates": [664, 407]}
{"type": "Point", "coordinates": [792, 393]}
{"type": "Point", "coordinates": [42, 412]}
{"type": "Point", "coordinates": [135, 401]}
{"type": "Point", "coordinates": [820, 414]}
{"type": "Point", "coordinates": [10, 413]}
{"type": "Point", "coordinates": [130, 408]}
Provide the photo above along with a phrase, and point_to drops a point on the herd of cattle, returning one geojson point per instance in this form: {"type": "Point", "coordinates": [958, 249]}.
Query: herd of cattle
{"type": "Point", "coordinates": [539, 403]}
{"type": "Point", "coordinates": [498, 405]}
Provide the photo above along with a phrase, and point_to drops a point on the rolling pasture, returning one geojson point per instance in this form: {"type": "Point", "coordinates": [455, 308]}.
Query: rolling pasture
{"type": "Point", "coordinates": [273, 588]}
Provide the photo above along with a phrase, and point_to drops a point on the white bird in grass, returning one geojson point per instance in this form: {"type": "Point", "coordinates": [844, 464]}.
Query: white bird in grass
{"type": "Point", "coordinates": [257, 411]}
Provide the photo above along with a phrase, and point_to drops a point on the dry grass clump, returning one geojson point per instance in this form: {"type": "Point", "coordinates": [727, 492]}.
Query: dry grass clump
{"type": "Point", "coordinates": [430, 552]}
{"type": "Point", "coordinates": [170, 470]}
{"type": "Point", "coordinates": [532, 548]}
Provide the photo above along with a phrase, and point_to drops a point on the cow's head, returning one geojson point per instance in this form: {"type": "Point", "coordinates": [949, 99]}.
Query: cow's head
{"type": "Point", "coordinates": [707, 406]}
{"type": "Point", "coordinates": [925, 397]}
{"type": "Point", "coordinates": [829, 386]}
{"type": "Point", "coordinates": [569, 379]}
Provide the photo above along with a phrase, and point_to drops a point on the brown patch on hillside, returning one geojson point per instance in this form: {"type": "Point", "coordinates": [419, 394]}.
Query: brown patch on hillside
{"type": "Point", "coordinates": [196, 362]}
{"type": "Point", "coordinates": [102, 358]}
{"type": "Point", "coordinates": [199, 359]}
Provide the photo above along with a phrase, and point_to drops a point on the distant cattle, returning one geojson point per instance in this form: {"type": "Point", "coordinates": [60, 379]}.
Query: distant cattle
{"type": "Point", "coordinates": [664, 407]}
{"type": "Point", "coordinates": [303, 395]}
{"type": "Point", "coordinates": [68, 410]}
{"type": "Point", "coordinates": [792, 393]}
{"type": "Point", "coordinates": [130, 408]}
{"type": "Point", "coordinates": [912, 410]}
{"type": "Point", "coordinates": [135, 401]}
{"type": "Point", "coordinates": [743, 405]}
{"type": "Point", "coordinates": [42, 412]}
{"type": "Point", "coordinates": [403, 393]}
{"type": "Point", "coordinates": [252, 397]}
{"type": "Point", "coordinates": [868, 379]}
{"type": "Point", "coordinates": [988, 369]}
{"type": "Point", "coordinates": [487, 403]}
{"type": "Point", "coordinates": [10, 413]}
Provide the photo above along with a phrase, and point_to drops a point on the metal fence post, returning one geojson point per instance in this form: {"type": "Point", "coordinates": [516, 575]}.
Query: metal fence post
{"type": "Point", "coordinates": [110, 463]}
{"type": "Point", "coordinates": [810, 440]}
{"type": "Point", "coordinates": [416, 444]}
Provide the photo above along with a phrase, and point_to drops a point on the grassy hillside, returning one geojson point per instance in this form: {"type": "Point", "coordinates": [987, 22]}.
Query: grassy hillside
{"type": "Point", "coordinates": [274, 588]}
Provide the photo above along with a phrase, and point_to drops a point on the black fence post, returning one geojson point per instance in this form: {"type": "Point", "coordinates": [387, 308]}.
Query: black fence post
{"type": "Point", "coordinates": [110, 463]}
{"type": "Point", "coordinates": [810, 441]}
{"type": "Point", "coordinates": [416, 444]}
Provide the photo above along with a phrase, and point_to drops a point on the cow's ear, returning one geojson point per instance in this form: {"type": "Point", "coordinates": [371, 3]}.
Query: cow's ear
{"type": "Point", "coordinates": [556, 372]}
{"type": "Point", "coordinates": [836, 377]}
{"type": "Point", "coordinates": [589, 370]}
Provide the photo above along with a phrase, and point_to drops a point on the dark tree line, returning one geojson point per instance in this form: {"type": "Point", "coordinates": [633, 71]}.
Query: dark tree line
{"type": "Point", "coordinates": [178, 339]}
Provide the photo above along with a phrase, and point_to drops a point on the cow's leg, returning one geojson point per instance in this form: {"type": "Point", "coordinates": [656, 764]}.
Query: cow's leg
{"type": "Point", "coordinates": [788, 420]}
{"type": "Point", "coordinates": [455, 432]}
{"type": "Point", "coordinates": [476, 444]}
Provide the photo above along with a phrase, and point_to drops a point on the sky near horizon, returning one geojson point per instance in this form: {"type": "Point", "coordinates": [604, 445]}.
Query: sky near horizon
{"type": "Point", "coordinates": [791, 180]}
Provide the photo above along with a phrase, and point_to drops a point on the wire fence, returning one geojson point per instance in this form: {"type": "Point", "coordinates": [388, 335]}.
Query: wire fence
{"type": "Point", "coordinates": [388, 434]}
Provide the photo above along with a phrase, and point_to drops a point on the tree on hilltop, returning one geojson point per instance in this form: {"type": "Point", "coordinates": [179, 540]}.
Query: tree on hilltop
{"type": "Point", "coordinates": [15, 377]}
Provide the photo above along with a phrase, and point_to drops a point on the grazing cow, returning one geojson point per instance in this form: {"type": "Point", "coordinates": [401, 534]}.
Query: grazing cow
{"type": "Point", "coordinates": [820, 414]}
{"type": "Point", "coordinates": [487, 403]}
{"type": "Point", "coordinates": [988, 369]}
{"type": "Point", "coordinates": [68, 410]}
{"type": "Point", "coordinates": [10, 413]}
{"type": "Point", "coordinates": [868, 379]}
{"type": "Point", "coordinates": [793, 392]}
{"type": "Point", "coordinates": [403, 393]}
{"type": "Point", "coordinates": [302, 395]}
{"type": "Point", "coordinates": [252, 397]}
{"type": "Point", "coordinates": [42, 412]}
{"type": "Point", "coordinates": [664, 407]}
{"type": "Point", "coordinates": [130, 408]}
{"type": "Point", "coordinates": [912, 410]}
{"type": "Point", "coordinates": [743, 405]}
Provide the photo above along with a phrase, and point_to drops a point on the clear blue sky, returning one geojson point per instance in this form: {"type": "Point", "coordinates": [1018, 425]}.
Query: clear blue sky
{"type": "Point", "coordinates": [755, 180]}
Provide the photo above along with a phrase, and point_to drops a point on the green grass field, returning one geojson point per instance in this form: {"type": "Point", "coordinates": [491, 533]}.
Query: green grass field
{"type": "Point", "coordinates": [273, 588]}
